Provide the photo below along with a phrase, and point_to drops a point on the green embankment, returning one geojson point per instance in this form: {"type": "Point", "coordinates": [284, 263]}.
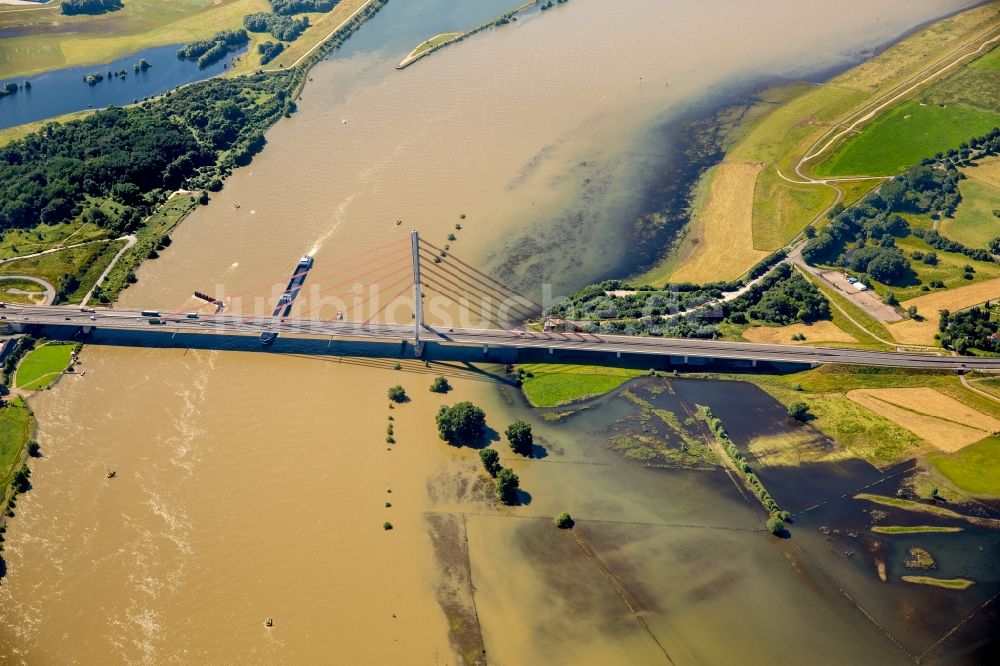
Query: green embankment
{"type": "Point", "coordinates": [905, 135]}
{"type": "Point", "coordinates": [150, 237]}
{"type": "Point", "coordinates": [42, 366]}
{"type": "Point", "coordinates": [975, 468]}
{"type": "Point", "coordinates": [17, 427]}
{"type": "Point", "coordinates": [552, 385]}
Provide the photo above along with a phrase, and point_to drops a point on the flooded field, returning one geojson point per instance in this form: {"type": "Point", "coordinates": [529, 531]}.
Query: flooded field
{"type": "Point", "coordinates": [255, 485]}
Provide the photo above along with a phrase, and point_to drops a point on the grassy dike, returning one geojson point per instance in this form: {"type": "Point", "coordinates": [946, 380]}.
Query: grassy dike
{"type": "Point", "coordinates": [799, 117]}
{"type": "Point", "coordinates": [17, 431]}
{"type": "Point", "coordinates": [431, 45]}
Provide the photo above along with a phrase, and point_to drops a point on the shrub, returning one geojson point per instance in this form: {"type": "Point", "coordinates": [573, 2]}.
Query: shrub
{"type": "Point", "coordinates": [798, 411]}
{"type": "Point", "coordinates": [387, 525]}
{"type": "Point", "coordinates": [440, 385]}
{"type": "Point", "coordinates": [397, 393]}
{"type": "Point", "coordinates": [564, 521]}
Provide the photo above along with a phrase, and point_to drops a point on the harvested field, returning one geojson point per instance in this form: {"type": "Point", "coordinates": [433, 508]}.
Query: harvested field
{"type": "Point", "coordinates": [720, 243]}
{"type": "Point", "coordinates": [820, 331]}
{"type": "Point", "coordinates": [934, 417]}
{"type": "Point", "coordinates": [922, 332]}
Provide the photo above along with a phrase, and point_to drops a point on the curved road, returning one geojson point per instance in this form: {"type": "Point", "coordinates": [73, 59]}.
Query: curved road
{"type": "Point", "coordinates": [50, 291]}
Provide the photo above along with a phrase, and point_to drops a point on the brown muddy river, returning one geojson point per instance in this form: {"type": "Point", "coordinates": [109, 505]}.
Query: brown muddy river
{"type": "Point", "coordinates": [254, 485]}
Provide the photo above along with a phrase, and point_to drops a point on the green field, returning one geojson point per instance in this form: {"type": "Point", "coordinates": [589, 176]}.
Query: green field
{"type": "Point", "coordinates": [974, 469]}
{"type": "Point", "coordinates": [16, 429]}
{"type": "Point", "coordinates": [950, 269]}
{"type": "Point", "coordinates": [975, 224]}
{"type": "Point", "coordinates": [10, 288]}
{"type": "Point", "coordinates": [905, 135]}
{"type": "Point", "coordinates": [554, 385]}
{"type": "Point", "coordinates": [43, 365]}
{"type": "Point", "coordinates": [41, 40]}
{"type": "Point", "coordinates": [86, 262]}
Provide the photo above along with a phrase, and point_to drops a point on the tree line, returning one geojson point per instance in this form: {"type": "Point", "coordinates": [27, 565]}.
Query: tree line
{"type": "Point", "coordinates": [282, 27]}
{"type": "Point", "coordinates": [73, 7]}
{"type": "Point", "coordinates": [210, 51]}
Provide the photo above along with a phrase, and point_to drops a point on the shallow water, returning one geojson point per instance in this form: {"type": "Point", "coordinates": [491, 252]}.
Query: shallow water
{"type": "Point", "coordinates": [253, 485]}
{"type": "Point", "coordinates": [64, 91]}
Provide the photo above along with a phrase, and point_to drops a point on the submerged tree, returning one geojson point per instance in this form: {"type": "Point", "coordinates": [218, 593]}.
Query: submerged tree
{"type": "Point", "coordinates": [520, 437]}
{"type": "Point", "coordinates": [462, 423]}
{"type": "Point", "coordinates": [507, 485]}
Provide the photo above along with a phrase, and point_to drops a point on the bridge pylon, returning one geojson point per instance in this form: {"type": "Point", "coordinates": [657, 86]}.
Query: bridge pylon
{"type": "Point", "coordinates": [418, 297]}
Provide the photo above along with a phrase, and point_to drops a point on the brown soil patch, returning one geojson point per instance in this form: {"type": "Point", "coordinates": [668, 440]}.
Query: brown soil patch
{"type": "Point", "coordinates": [936, 418]}
{"type": "Point", "coordinates": [820, 331]}
{"type": "Point", "coordinates": [720, 243]}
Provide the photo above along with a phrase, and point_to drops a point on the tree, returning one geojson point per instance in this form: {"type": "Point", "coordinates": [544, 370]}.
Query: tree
{"type": "Point", "coordinates": [440, 385]}
{"type": "Point", "coordinates": [912, 312]}
{"type": "Point", "coordinates": [799, 411]}
{"type": "Point", "coordinates": [520, 437]}
{"type": "Point", "coordinates": [507, 485]}
{"type": "Point", "coordinates": [564, 521]}
{"type": "Point", "coordinates": [461, 423]}
{"type": "Point", "coordinates": [491, 461]}
{"type": "Point", "coordinates": [775, 525]}
{"type": "Point", "coordinates": [397, 393]}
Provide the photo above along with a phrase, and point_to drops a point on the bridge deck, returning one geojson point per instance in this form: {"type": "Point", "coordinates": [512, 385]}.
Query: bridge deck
{"type": "Point", "coordinates": [576, 342]}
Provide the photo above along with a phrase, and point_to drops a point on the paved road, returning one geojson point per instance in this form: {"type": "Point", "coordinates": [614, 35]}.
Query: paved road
{"type": "Point", "coordinates": [576, 342]}
{"type": "Point", "coordinates": [50, 291]}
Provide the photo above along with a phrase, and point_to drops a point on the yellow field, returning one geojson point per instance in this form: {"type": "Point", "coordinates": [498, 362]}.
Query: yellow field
{"type": "Point", "coordinates": [820, 331]}
{"type": "Point", "coordinates": [721, 245]}
{"type": "Point", "coordinates": [914, 332]}
{"type": "Point", "coordinates": [939, 420]}
{"type": "Point", "coordinates": [797, 448]}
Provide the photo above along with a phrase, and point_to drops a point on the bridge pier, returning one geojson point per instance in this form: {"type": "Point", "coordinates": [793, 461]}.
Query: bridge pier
{"type": "Point", "coordinates": [486, 349]}
{"type": "Point", "coordinates": [551, 351]}
{"type": "Point", "coordinates": [753, 363]}
{"type": "Point", "coordinates": [87, 330]}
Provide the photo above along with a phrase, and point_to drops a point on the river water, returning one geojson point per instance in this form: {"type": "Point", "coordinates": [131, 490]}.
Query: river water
{"type": "Point", "coordinates": [254, 485]}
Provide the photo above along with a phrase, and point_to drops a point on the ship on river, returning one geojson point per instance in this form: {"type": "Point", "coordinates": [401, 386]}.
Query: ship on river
{"type": "Point", "coordinates": [287, 298]}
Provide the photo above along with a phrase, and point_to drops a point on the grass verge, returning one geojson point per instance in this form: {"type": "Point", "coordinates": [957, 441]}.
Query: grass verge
{"type": "Point", "coordinates": [552, 385]}
{"type": "Point", "coordinates": [974, 469]}
{"type": "Point", "coordinates": [42, 366]}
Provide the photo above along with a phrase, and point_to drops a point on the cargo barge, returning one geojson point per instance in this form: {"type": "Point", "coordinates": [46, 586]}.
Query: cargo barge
{"type": "Point", "coordinates": [287, 298]}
